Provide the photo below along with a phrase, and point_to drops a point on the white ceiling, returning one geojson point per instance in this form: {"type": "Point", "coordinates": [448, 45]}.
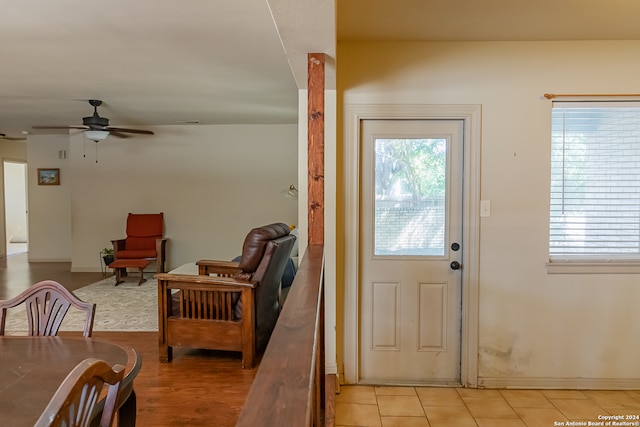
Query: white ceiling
{"type": "Point", "coordinates": [236, 61]}
{"type": "Point", "coordinates": [151, 62]}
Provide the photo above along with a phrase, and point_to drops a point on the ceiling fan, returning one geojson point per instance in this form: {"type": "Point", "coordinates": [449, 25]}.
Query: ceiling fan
{"type": "Point", "coordinates": [11, 138]}
{"type": "Point", "coordinates": [97, 128]}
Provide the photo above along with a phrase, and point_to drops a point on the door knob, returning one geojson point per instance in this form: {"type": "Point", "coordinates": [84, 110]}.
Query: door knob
{"type": "Point", "coordinates": [455, 265]}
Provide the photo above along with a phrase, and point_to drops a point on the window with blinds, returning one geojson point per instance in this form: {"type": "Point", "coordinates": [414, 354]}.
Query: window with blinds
{"type": "Point", "coordinates": [595, 182]}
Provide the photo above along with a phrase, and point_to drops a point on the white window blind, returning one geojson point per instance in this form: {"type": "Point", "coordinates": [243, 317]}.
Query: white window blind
{"type": "Point", "coordinates": [595, 182]}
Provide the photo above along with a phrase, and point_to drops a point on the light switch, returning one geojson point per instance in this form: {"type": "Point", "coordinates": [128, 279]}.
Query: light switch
{"type": "Point", "coordinates": [485, 208]}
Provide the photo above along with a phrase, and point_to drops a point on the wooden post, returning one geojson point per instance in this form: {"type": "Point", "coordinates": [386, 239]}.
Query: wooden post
{"type": "Point", "coordinates": [315, 129]}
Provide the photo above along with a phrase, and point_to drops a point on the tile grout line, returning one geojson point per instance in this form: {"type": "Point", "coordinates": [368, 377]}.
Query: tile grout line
{"type": "Point", "coordinates": [548, 402]}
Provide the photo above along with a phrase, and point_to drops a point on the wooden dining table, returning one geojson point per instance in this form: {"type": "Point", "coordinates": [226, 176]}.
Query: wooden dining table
{"type": "Point", "coordinates": [32, 369]}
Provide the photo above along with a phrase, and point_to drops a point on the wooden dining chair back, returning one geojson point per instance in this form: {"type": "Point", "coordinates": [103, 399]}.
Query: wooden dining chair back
{"type": "Point", "coordinates": [47, 303]}
{"type": "Point", "coordinates": [74, 402]}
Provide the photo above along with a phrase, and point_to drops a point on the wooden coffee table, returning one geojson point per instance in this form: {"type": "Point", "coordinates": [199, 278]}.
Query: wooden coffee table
{"type": "Point", "coordinates": [120, 266]}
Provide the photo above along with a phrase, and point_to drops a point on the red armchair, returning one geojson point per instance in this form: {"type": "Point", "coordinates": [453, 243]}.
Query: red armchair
{"type": "Point", "coordinates": [145, 240]}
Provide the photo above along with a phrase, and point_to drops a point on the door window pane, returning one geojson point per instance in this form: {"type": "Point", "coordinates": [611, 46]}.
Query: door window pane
{"type": "Point", "coordinates": [410, 197]}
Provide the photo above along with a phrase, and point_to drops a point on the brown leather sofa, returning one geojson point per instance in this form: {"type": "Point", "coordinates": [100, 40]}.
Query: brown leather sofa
{"type": "Point", "coordinates": [228, 305]}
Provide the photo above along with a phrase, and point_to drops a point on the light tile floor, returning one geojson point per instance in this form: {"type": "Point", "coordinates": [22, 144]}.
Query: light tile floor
{"type": "Point", "coordinates": [368, 406]}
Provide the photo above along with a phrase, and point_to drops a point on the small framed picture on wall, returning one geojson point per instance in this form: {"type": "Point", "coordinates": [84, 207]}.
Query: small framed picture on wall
{"type": "Point", "coordinates": [48, 176]}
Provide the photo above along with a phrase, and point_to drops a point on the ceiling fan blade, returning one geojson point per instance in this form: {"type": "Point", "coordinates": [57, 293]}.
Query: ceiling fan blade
{"type": "Point", "coordinates": [11, 138]}
{"type": "Point", "coordinates": [118, 134]}
{"type": "Point", "coordinates": [141, 131]}
{"type": "Point", "coordinates": [59, 127]}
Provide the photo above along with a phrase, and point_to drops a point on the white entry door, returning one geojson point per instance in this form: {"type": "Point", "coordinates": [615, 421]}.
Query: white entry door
{"type": "Point", "coordinates": [411, 252]}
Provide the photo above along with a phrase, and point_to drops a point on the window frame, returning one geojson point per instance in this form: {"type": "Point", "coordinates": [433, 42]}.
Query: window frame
{"type": "Point", "coordinates": [587, 263]}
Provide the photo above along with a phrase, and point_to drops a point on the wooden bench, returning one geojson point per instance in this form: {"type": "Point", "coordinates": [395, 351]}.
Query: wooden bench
{"type": "Point", "coordinates": [120, 266]}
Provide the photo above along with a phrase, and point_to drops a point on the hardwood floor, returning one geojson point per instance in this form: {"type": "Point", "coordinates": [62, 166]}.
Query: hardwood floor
{"type": "Point", "coordinates": [17, 274]}
{"type": "Point", "coordinates": [198, 388]}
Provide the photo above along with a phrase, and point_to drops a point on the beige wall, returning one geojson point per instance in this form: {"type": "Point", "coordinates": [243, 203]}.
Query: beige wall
{"type": "Point", "coordinates": [213, 184]}
{"type": "Point", "coordinates": [535, 329]}
{"type": "Point", "coordinates": [49, 205]}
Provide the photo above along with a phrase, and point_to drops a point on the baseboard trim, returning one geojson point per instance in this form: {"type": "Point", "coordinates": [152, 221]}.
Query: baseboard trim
{"type": "Point", "coordinates": [49, 259]}
{"type": "Point", "coordinates": [562, 383]}
{"type": "Point", "coordinates": [331, 368]}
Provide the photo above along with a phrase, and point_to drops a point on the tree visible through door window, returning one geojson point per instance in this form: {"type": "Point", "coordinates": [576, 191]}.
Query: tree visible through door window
{"type": "Point", "coordinates": [595, 182]}
{"type": "Point", "coordinates": [410, 196]}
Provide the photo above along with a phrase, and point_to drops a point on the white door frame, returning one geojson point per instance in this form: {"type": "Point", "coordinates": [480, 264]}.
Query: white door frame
{"type": "Point", "coordinates": [471, 115]}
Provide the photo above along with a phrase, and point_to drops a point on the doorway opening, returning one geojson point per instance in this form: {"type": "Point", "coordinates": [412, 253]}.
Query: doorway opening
{"type": "Point", "coordinates": [356, 253]}
{"type": "Point", "coordinates": [15, 207]}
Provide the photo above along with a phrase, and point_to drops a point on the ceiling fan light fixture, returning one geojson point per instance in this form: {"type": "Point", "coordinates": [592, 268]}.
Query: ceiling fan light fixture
{"type": "Point", "coordinates": [96, 135]}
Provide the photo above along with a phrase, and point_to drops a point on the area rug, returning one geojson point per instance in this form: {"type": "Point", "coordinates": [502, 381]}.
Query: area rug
{"type": "Point", "coordinates": [126, 307]}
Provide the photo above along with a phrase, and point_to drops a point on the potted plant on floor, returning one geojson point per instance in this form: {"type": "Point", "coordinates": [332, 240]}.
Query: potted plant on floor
{"type": "Point", "coordinates": [107, 255]}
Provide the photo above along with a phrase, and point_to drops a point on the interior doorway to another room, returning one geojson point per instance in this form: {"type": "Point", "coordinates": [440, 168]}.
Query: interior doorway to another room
{"type": "Point", "coordinates": [15, 207]}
